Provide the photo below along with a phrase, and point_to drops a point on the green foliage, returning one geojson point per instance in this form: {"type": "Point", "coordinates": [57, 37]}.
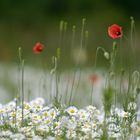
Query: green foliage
{"type": "Point", "coordinates": [107, 99]}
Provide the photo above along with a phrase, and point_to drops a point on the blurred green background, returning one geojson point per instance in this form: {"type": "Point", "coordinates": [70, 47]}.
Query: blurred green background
{"type": "Point", "coordinates": [23, 23]}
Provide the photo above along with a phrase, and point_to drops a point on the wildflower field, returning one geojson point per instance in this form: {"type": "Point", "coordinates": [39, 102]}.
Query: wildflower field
{"type": "Point", "coordinates": [80, 104]}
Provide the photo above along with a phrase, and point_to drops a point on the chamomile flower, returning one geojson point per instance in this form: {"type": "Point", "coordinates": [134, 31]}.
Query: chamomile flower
{"type": "Point", "coordinates": [53, 113]}
{"type": "Point", "coordinates": [58, 132]}
{"type": "Point", "coordinates": [124, 114]}
{"type": "Point", "coordinates": [83, 114]}
{"type": "Point", "coordinates": [72, 111]}
{"type": "Point", "coordinates": [42, 128]}
{"type": "Point", "coordinates": [91, 108]}
{"type": "Point", "coordinates": [86, 127]}
{"type": "Point", "coordinates": [132, 106]}
{"type": "Point", "coordinates": [17, 136]}
{"type": "Point", "coordinates": [70, 134]}
{"type": "Point", "coordinates": [71, 123]}
{"type": "Point", "coordinates": [57, 125]}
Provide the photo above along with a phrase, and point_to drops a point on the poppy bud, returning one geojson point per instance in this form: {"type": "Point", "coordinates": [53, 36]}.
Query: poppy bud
{"type": "Point", "coordinates": [106, 55]}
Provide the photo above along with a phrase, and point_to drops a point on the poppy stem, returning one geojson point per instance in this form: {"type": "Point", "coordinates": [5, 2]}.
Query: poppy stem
{"type": "Point", "coordinates": [81, 47]}
{"type": "Point", "coordinates": [72, 46]}
{"type": "Point", "coordinates": [132, 42]}
{"type": "Point", "coordinates": [21, 83]}
{"type": "Point", "coordinates": [22, 91]}
{"type": "Point", "coordinates": [97, 51]}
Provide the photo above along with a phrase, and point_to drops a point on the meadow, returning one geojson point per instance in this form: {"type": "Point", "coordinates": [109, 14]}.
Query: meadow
{"type": "Point", "coordinates": [81, 103]}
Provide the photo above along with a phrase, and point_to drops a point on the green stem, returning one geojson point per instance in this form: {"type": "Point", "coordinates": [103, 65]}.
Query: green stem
{"type": "Point", "coordinates": [81, 47]}
{"type": "Point", "coordinates": [22, 91]}
{"type": "Point", "coordinates": [132, 40]}
{"type": "Point", "coordinates": [72, 45]}
{"type": "Point", "coordinates": [97, 50]}
{"type": "Point", "coordinates": [73, 81]}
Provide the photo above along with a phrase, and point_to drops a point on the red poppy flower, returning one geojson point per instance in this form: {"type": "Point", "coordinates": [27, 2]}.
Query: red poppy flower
{"type": "Point", "coordinates": [115, 31]}
{"type": "Point", "coordinates": [94, 78]}
{"type": "Point", "coordinates": [38, 48]}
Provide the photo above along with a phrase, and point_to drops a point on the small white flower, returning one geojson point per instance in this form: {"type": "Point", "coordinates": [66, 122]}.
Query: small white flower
{"type": "Point", "coordinates": [25, 129]}
{"type": "Point", "coordinates": [40, 101]}
{"type": "Point", "coordinates": [11, 104]}
{"type": "Point", "coordinates": [83, 114]}
{"type": "Point", "coordinates": [42, 128]}
{"type": "Point", "coordinates": [70, 134]}
{"type": "Point", "coordinates": [12, 114]}
{"type": "Point", "coordinates": [94, 134]}
{"type": "Point", "coordinates": [85, 137]}
{"type": "Point", "coordinates": [91, 108]}
{"type": "Point", "coordinates": [93, 125]}
{"type": "Point", "coordinates": [45, 114]}
{"type": "Point", "coordinates": [132, 106]}
{"type": "Point", "coordinates": [58, 132]}
{"type": "Point", "coordinates": [86, 127]}
{"type": "Point", "coordinates": [124, 114]}
{"type": "Point", "coordinates": [71, 123]}
{"type": "Point", "coordinates": [57, 125]}
{"type": "Point", "coordinates": [47, 121]}
{"type": "Point", "coordinates": [72, 110]}
{"type": "Point", "coordinates": [52, 113]}
{"type": "Point", "coordinates": [17, 136]}
{"type": "Point", "coordinates": [114, 135]}
{"type": "Point", "coordinates": [6, 133]}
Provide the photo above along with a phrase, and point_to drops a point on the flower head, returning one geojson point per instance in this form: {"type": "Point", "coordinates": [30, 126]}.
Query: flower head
{"type": "Point", "coordinates": [38, 48]}
{"type": "Point", "coordinates": [115, 31]}
{"type": "Point", "coordinates": [72, 110]}
{"type": "Point", "coordinates": [94, 78]}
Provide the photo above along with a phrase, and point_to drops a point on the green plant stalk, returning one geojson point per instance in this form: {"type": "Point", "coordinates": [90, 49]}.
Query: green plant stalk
{"type": "Point", "coordinates": [22, 91]}
{"type": "Point", "coordinates": [132, 31]}
{"type": "Point", "coordinates": [121, 53]}
{"type": "Point", "coordinates": [113, 57]}
{"type": "Point", "coordinates": [29, 94]}
{"type": "Point", "coordinates": [132, 42]}
{"type": "Point", "coordinates": [51, 88]}
{"type": "Point", "coordinates": [96, 55]}
{"type": "Point", "coordinates": [72, 45]}
{"type": "Point", "coordinates": [81, 47]}
{"type": "Point", "coordinates": [21, 83]}
{"type": "Point", "coordinates": [64, 31]}
{"type": "Point", "coordinates": [54, 70]}
{"type": "Point", "coordinates": [19, 70]}
{"type": "Point", "coordinates": [16, 112]}
{"type": "Point", "coordinates": [91, 95]}
{"type": "Point", "coordinates": [61, 29]}
{"type": "Point", "coordinates": [72, 87]}
{"type": "Point", "coordinates": [57, 82]}
{"type": "Point", "coordinates": [66, 90]}
{"type": "Point", "coordinates": [95, 65]}
{"type": "Point", "coordinates": [121, 83]}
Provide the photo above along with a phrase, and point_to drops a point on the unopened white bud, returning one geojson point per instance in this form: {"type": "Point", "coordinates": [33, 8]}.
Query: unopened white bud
{"type": "Point", "coordinates": [106, 55]}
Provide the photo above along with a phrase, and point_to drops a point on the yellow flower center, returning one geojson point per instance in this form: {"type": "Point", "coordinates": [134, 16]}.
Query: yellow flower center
{"type": "Point", "coordinates": [72, 111]}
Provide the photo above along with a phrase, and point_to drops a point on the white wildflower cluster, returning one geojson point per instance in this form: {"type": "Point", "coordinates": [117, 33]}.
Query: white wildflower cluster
{"type": "Point", "coordinates": [39, 122]}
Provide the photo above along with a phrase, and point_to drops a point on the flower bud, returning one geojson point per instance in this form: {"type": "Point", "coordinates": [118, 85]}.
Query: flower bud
{"type": "Point", "coordinates": [106, 55]}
